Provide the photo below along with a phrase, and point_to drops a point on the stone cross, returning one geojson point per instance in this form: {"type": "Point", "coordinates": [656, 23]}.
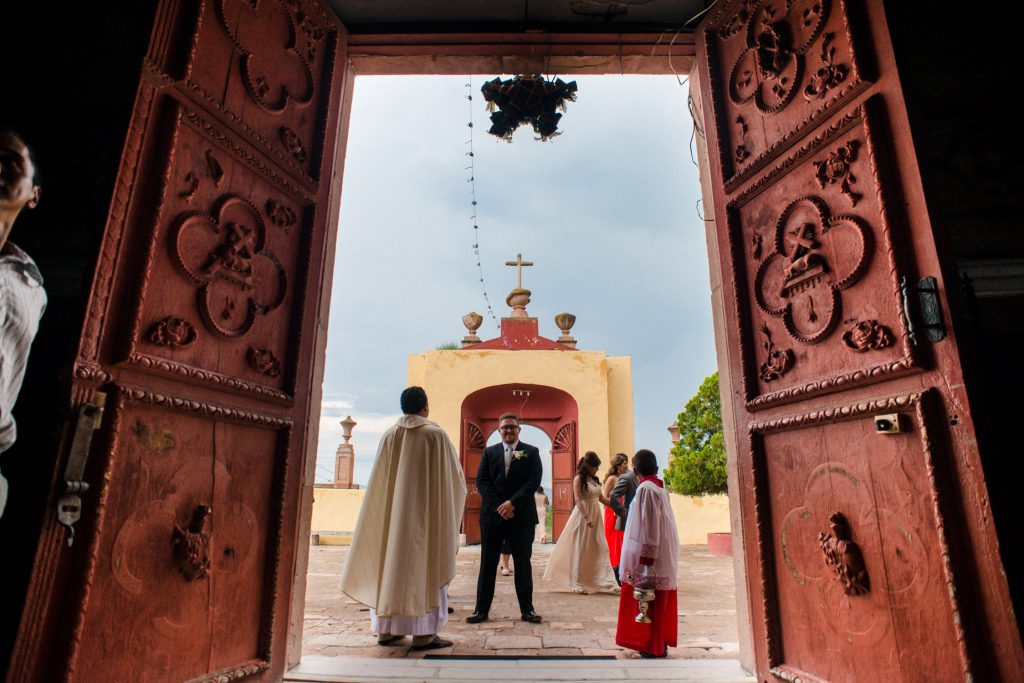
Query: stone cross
{"type": "Point", "coordinates": [519, 263]}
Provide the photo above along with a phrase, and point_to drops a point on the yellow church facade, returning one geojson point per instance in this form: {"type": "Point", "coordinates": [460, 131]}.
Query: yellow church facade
{"type": "Point", "coordinates": [601, 385]}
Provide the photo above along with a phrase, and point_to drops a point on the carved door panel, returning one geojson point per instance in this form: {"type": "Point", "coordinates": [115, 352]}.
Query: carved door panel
{"type": "Point", "coordinates": [563, 469]}
{"type": "Point", "coordinates": [473, 444]}
{"type": "Point", "coordinates": [859, 467]}
{"type": "Point", "coordinates": [201, 325]}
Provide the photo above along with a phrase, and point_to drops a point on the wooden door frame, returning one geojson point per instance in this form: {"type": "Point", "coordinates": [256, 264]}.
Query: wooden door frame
{"type": "Point", "coordinates": [492, 54]}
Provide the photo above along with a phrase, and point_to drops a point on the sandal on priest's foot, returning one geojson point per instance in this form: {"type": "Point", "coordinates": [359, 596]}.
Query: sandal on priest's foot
{"type": "Point", "coordinates": [389, 640]}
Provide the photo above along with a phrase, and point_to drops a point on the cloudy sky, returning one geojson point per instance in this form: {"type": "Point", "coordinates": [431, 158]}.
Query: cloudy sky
{"type": "Point", "coordinates": [607, 211]}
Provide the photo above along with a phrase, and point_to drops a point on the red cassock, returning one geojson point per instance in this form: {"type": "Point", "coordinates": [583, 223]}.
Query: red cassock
{"type": "Point", "coordinates": [654, 637]}
{"type": "Point", "coordinates": [613, 536]}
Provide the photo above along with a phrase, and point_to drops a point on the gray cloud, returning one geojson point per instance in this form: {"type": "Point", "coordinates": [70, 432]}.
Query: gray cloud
{"type": "Point", "coordinates": [607, 212]}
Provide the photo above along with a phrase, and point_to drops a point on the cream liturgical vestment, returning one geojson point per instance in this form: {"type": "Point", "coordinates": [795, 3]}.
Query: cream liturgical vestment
{"type": "Point", "coordinates": [403, 550]}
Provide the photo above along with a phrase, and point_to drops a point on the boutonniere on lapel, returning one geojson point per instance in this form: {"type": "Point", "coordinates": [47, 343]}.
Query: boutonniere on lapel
{"type": "Point", "coordinates": [518, 455]}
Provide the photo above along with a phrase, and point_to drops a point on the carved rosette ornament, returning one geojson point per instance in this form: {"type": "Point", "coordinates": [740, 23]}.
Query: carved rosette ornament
{"type": "Point", "coordinates": [815, 257]}
{"type": "Point", "coordinates": [836, 169]}
{"type": "Point", "coordinates": [264, 361]}
{"type": "Point", "coordinates": [173, 332]}
{"type": "Point", "coordinates": [867, 335]}
{"type": "Point", "coordinates": [280, 214]}
{"type": "Point", "coordinates": [829, 75]}
{"type": "Point", "coordinates": [777, 361]}
{"type": "Point", "coordinates": [293, 143]}
{"type": "Point", "coordinates": [843, 557]}
{"type": "Point", "coordinates": [742, 152]}
{"type": "Point", "coordinates": [770, 70]}
{"type": "Point", "coordinates": [225, 254]}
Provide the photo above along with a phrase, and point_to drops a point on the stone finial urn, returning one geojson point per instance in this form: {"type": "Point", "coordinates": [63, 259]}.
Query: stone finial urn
{"type": "Point", "coordinates": [565, 321]}
{"type": "Point", "coordinates": [472, 321]}
{"type": "Point", "coordinates": [517, 299]}
{"type": "Point", "coordinates": [346, 428]}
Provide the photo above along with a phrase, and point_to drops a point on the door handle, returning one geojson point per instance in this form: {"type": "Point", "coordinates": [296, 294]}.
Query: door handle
{"type": "Point", "coordinates": [69, 505]}
{"type": "Point", "coordinates": [927, 314]}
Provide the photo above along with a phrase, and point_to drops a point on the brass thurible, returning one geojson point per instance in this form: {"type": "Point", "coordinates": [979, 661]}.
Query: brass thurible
{"type": "Point", "coordinates": [643, 593]}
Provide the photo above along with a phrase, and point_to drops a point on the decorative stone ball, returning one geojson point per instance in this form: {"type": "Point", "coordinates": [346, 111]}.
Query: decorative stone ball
{"type": "Point", "coordinates": [518, 298]}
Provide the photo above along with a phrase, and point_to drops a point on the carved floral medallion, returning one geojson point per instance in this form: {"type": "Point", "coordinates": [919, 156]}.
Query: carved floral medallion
{"type": "Point", "coordinates": [173, 332]}
{"type": "Point", "coordinates": [777, 361]}
{"type": "Point", "coordinates": [836, 169]}
{"type": "Point", "coordinates": [867, 335]}
{"type": "Point", "coordinates": [224, 252]}
{"type": "Point", "coordinates": [264, 361]}
{"type": "Point", "coordinates": [274, 71]}
{"type": "Point", "coordinates": [815, 257]}
{"type": "Point", "coordinates": [770, 71]}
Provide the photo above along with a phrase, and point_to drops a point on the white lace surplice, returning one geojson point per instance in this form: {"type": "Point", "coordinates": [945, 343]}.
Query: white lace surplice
{"type": "Point", "coordinates": [651, 532]}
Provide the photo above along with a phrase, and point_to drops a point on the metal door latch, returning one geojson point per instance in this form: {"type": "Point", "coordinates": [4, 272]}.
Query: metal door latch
{"type": "Point", "coordinates": [69, 505]}
{"type": "Point", "coordinates": [927, 315]}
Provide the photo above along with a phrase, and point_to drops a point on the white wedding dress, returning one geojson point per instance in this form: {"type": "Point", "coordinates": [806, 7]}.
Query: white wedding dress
{"type": "Point", "coordinates": [579, 561]}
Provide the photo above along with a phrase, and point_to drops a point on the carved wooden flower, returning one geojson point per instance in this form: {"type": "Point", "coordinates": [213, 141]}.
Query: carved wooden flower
{"type": "Point", "coordinates": [777, 361]}
{"type": "Point", "coordinates": [867, 335]}
{"type": "Point", "coordinates": [777, 35]}
{"type": "Point", "coordinates": [816, 256]}
{"type": "Point", "coordinates": [225, 254]}
{"type": "Point", "coordinates": [273, 70]}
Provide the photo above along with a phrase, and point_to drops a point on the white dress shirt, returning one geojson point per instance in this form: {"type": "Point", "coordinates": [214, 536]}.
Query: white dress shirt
{"type": "Point", "coordinates": [22, 302]}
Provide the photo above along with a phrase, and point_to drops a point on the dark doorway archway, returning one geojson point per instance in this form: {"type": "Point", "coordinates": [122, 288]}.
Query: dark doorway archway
{"type": "Point", "coordinates": [551, 410]}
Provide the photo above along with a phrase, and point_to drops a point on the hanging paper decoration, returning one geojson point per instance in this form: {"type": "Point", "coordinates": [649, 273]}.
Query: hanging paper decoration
{"type": "Point", "coordinates": [527, 99]}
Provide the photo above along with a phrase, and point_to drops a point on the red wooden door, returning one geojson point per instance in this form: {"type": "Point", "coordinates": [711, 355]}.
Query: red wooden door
{"type": "Point", "coordinates": [563, 469]}
{"type": "Point", "coordinates": [202, 326]}
{"type": "Point", "coordinates": [473, 444]}
{"type": "Point", "coordinates": [868, 551]}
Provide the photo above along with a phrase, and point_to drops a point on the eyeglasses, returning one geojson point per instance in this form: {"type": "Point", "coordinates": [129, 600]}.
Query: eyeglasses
{"type": "Point", "coordinates": [508, 428]}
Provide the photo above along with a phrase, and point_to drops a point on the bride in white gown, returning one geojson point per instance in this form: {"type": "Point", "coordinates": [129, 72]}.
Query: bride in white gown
{"type": "Point", "coordinates": [579, 561]}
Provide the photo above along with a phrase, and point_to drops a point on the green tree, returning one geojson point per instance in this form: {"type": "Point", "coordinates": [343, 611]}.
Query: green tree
{"type": "Point", "coordinates": [448, 346]}
{"type": "Point", "coordinates": [697, 464]}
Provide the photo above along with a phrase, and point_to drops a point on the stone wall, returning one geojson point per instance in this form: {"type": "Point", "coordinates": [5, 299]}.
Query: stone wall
{"type": "Point", "coordinates": [337, 510]}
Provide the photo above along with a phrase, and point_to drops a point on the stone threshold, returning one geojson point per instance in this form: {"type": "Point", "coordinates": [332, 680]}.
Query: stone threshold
{"type": "Point", "coordinates": [320, 669]}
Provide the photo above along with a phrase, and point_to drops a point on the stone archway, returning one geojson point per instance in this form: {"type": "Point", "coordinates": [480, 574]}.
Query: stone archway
{"type": "Point", "coordinates": [553, 411]}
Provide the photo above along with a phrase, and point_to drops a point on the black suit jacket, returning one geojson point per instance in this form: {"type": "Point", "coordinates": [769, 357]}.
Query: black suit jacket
{"type": "Point", "coordinates": [522, 482]}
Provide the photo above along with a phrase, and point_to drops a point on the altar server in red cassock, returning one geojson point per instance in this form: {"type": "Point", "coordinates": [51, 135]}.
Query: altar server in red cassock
{"type": "Point", "coordinates": [650, 553]}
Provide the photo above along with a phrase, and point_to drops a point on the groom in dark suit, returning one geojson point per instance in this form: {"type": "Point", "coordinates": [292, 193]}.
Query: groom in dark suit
{"type": "Point", "coordinates": [508, 476]}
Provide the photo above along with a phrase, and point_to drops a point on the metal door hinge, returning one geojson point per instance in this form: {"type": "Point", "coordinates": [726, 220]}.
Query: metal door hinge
{"type": "Point", "coordinates": [69, 505]}
{"type": "Point", "coordinates": [927, 313]}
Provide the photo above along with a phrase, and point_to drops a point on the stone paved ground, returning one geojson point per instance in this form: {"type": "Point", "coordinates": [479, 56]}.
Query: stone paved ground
{"type": "Point", "coordinates": [574, 625]}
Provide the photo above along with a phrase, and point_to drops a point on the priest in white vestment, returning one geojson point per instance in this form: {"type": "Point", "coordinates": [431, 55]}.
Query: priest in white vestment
{"type": "Point", "coordinates": [403, 551]}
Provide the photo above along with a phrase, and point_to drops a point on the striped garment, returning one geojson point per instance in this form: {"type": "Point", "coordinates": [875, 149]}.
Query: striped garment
{"type": "Point", "coordinates": [22, 302]}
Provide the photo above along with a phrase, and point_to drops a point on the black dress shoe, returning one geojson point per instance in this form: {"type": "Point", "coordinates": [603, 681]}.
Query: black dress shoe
{"type": "Point", "coordinates": [435, 644]}
{"type": "Point", "coordinates": [476, 618]}
{"type": "Point", "coordinates": [532, 617]}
